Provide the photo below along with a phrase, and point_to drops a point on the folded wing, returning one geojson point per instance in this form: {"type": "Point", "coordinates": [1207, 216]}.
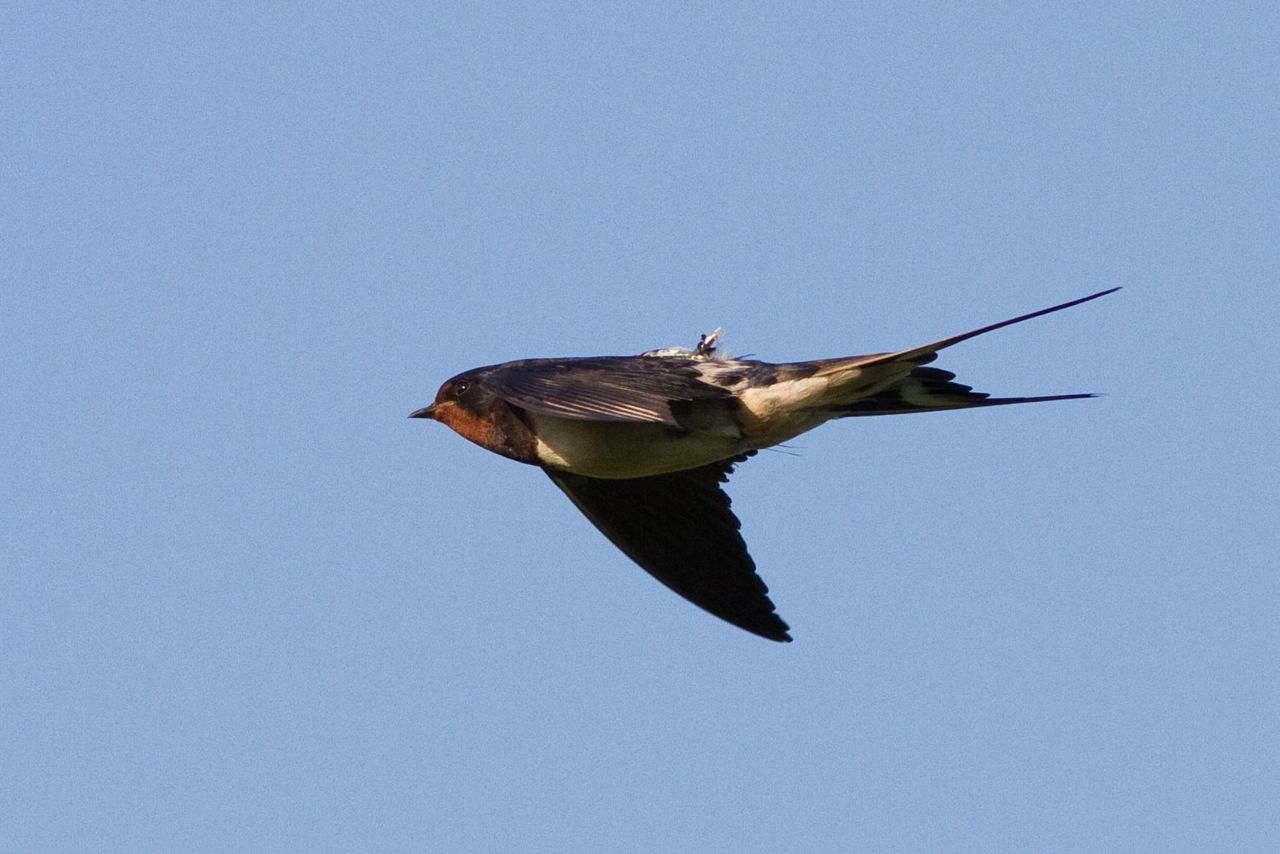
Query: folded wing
{"type": "Point", "coordinates": [656, 390]}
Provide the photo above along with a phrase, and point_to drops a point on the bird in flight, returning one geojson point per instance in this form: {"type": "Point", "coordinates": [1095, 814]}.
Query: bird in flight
{"type": "Point", "coordinates": [642, 445]}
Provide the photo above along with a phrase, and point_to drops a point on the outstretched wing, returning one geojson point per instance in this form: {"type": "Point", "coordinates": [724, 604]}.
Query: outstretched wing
{"type": "Point", "coordinates": [680, 529]}
{"type": "Point", "coordinates": [655, 390]}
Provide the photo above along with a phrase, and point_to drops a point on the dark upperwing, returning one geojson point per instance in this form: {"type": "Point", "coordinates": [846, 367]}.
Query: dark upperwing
{"type": "Point", "coordinates": [680, 529]}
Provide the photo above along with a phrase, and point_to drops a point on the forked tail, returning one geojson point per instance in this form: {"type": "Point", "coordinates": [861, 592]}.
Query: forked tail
{"type": "Point", "coordinates": [900, 382]}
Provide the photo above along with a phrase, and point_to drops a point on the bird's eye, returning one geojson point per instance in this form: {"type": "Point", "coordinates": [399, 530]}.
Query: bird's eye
{"type": "Point", "coordinates": [461, 388]}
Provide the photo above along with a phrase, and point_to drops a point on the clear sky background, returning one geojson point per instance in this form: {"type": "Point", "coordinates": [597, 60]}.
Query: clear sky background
{"type": "Point", "coordinates": [246, 604]}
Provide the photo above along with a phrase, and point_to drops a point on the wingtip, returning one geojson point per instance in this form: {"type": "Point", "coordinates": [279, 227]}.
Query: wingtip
{"type": "Point", "coordinates": [774, 630]}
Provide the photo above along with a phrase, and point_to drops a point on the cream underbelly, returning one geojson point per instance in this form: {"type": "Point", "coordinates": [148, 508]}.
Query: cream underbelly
{"type": "Point", "coordinates": [608, 449]}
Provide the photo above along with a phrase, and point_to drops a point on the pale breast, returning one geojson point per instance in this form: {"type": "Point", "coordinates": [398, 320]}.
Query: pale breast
{"type": "Point", "coordinates": [620, 450]}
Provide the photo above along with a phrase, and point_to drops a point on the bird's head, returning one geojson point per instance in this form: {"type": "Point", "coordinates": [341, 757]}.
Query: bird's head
{"type": "Point", "coordinates": [462, 395]}
{"type": "Point", "coordinates": [466, 405]}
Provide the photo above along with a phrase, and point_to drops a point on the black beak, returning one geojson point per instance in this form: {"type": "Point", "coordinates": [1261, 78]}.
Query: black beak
{"type": "Point", "coordinates": [424, 412]}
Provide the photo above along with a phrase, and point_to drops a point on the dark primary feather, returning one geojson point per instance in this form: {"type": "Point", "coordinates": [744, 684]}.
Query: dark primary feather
{"type": "Point", "coordinates": [679, 527]}
{"type": "Point", "coordinates": [611, 388]}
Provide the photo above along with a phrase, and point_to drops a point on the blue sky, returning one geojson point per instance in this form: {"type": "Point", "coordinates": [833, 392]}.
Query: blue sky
{"type": "Point", "coordinates": [247, 605]}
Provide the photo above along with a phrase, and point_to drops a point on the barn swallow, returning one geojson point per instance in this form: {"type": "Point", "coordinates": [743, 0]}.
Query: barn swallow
{"type": "Point", "coordinates": [642, 444]}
